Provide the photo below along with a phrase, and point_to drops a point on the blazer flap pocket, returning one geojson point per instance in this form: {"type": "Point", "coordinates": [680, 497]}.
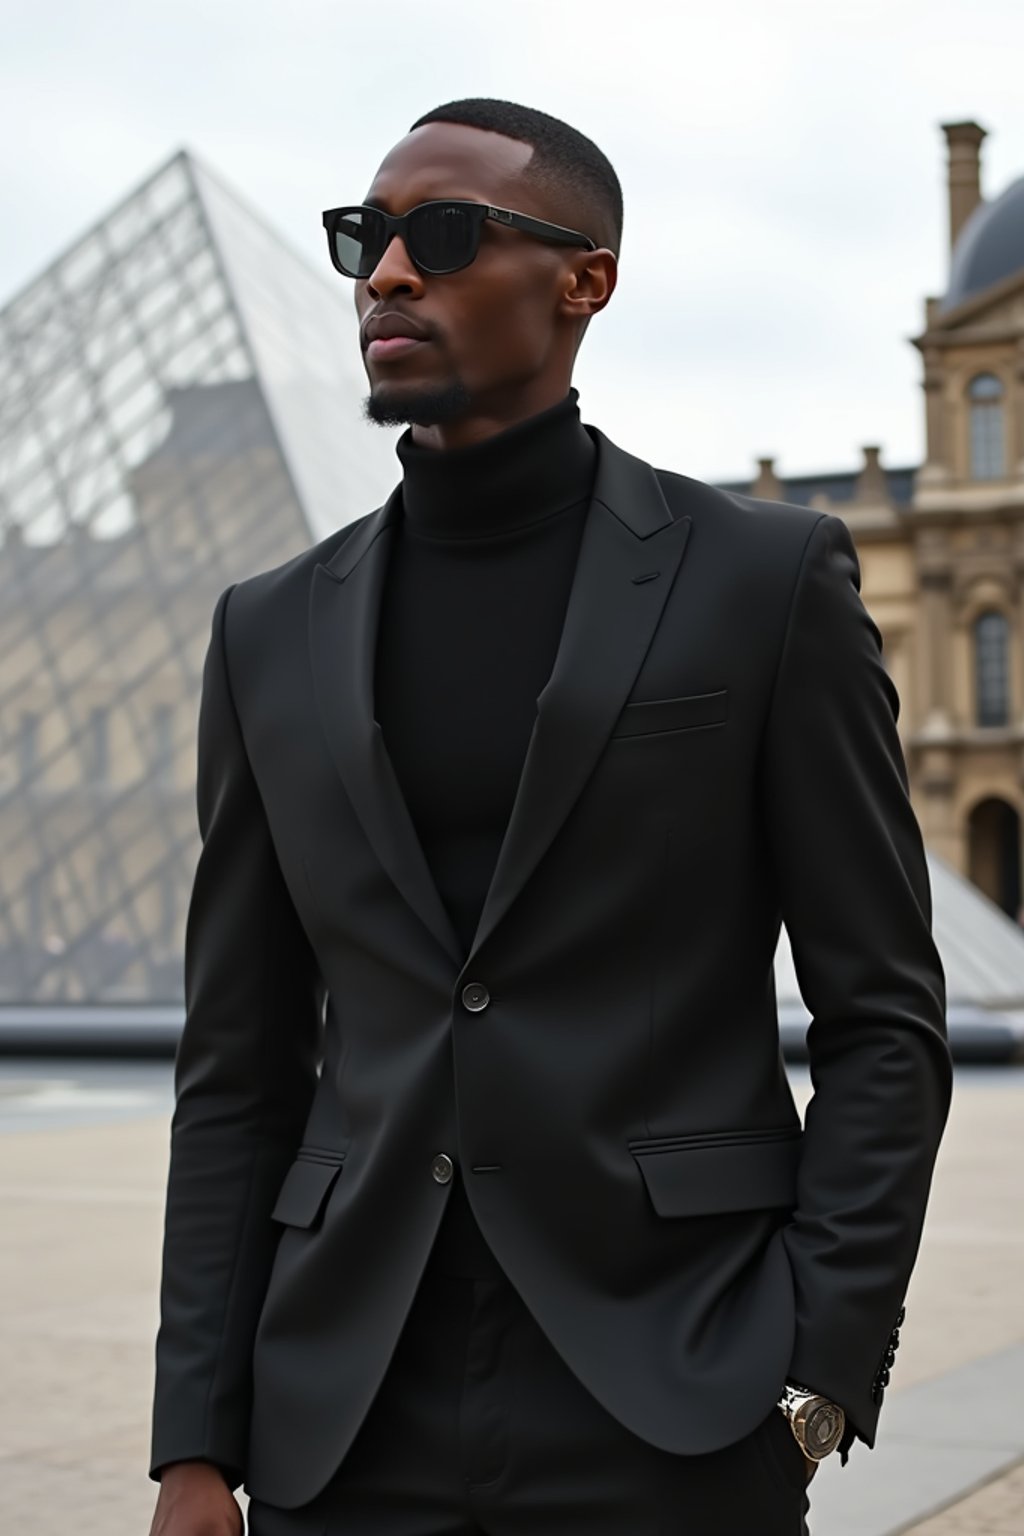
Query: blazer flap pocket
{"type": "Point", "coordinates": [642, 718]}
{"type": "Point", "coordinates": [303, 1194]}
{"type": "Point", "coordinates": [694, 1177]}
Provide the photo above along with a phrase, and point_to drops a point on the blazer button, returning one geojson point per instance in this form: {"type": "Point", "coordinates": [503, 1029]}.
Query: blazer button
{"type": "Point", "coordinates": [475, 997]}
{"type": "Point", "coordinates": [442, 1168]}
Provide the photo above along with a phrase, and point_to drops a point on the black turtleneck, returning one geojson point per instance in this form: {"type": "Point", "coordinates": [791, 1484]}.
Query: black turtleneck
{"type": "Point", "coordinates": [472, 611]}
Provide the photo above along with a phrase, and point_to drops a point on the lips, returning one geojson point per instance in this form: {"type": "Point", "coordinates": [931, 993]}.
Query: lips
{"type": "Point", "coordinates": [391, 346]}
{"type": "Point", "coordinates": [391, 326]}
{"type": "Point", "coordinates": [389, 335]}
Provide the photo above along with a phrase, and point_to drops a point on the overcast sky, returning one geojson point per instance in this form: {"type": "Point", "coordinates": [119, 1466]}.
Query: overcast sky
{"type": "Point", "coordinates": [783, 168]}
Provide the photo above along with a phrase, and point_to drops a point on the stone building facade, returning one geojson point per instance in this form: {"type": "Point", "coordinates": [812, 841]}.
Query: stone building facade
{"type": "Point", "coordinates": [942, 546]}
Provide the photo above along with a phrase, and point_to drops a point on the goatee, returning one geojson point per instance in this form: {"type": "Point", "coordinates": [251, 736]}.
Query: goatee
{"type": "Point", "coordinates": [392, 406]}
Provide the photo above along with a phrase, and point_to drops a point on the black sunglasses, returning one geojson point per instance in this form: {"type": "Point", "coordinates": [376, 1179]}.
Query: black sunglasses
{"type": "Point", "coordinates": [439, 236]}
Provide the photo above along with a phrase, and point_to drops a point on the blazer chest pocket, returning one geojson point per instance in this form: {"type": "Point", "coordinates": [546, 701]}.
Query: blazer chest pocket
{"type": "Point", "coordinates": [656, 716]}
{"type": "Point", "coordinates": [717, 1171]}
{"type": "Point", "coordinates": [307, 1184]}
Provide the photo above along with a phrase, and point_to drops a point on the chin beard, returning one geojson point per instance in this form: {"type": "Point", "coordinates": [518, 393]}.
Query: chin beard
{"type": "Point", "coordinates": [393, 406]}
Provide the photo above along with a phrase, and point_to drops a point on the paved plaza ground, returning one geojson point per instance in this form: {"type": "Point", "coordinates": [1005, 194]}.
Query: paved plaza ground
{"type": "Point", "coordinates": [83, 1156]}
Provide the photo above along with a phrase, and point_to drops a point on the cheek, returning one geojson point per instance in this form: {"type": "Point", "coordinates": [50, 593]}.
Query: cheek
{"type": "Point", "coordinates": [509, 337]}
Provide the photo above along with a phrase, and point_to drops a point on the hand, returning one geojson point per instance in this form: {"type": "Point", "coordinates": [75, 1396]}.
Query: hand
{"type": "Point", "coordinates": [194, 1500]}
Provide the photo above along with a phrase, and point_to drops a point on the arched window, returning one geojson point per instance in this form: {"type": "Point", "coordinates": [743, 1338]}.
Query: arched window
{"type": "Point", "coordinates": [993, 832]}
{"type": "Point", "coordinates": [992, 668]}
{"type": "Point", "coordinates": [988, 455]}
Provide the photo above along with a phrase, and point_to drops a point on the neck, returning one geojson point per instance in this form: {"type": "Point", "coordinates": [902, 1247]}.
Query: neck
{"type": "Point", "coordinates": [535, 398]}
{"type": "Point", "coordinates": [524, 474]}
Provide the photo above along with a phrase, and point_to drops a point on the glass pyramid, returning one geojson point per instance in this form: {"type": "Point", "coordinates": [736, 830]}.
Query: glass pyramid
{"type": "Point", "coordinates": [179, 407]}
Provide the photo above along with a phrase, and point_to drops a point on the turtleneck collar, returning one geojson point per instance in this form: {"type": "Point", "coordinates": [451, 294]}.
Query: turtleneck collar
{"type": "Point", "coordinates": [519, 476]}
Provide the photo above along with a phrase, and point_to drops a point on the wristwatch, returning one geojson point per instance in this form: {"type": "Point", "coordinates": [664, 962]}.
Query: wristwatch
{"type": "Point", "coordinates": [817, 1423]}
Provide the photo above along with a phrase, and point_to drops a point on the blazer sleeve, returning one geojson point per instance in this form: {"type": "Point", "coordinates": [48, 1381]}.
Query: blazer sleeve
{"type": "Point", "coordinates": [244, 1076]}
{"type": "Point", "coordinates": [855, 897]}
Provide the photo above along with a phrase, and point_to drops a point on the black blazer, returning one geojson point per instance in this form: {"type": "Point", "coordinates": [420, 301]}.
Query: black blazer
{"type": "Point", "coordinates": [715, 751]}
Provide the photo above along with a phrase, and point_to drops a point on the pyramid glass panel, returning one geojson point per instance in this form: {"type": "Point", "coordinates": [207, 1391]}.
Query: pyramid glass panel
{"type": "Point", "coordinates": [151, 453]}
{"type": "Point", "coordinates": [301, 328]}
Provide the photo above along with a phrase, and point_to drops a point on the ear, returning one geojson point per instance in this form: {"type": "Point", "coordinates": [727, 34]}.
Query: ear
{"type": "Point", "coordinates": [590, 284]}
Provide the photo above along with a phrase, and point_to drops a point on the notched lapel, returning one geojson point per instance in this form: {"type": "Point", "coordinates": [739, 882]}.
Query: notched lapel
{"type": "Point", "coordinates": [630, 551]}
{"type": "Point", "coordinates": [344, 612]}
{"type": "Point", "coordinates": [629, 554]}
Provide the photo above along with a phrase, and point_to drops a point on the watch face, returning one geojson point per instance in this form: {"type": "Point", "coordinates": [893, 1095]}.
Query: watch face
{"type": "Point", "coordinates": [823, 1429]}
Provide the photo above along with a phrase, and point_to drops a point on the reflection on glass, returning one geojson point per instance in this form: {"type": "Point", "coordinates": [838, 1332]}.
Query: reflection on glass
{"type": "Point", "coordinates": [148, 459]}
{"type": "Point", "coordinates": [988, 457]}
{"type": "Point", "coordinates": [992, 668]}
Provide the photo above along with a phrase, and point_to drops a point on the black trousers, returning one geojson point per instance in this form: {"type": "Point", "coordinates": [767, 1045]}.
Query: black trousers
{"type": "Point", "coordinates": [479, 1428]}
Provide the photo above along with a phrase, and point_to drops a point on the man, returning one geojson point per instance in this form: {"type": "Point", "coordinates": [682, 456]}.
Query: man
{"type": "Point", "coordinates": [489, 1207]}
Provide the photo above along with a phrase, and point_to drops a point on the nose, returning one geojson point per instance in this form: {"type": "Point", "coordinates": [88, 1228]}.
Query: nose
{"type": "Point", "coordinates": [395, 272]}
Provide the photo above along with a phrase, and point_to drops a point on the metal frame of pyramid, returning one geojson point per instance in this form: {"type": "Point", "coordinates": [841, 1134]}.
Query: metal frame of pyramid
{"type": "Point", "coordinates": [179, 407]}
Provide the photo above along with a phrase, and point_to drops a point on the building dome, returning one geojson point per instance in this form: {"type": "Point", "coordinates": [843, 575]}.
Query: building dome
{"type": "Point", "coordinates": [990, 246]}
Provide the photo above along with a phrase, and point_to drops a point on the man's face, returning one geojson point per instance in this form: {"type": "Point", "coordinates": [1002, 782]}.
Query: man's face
{"type": "Point", "coordinates": [488, 335]}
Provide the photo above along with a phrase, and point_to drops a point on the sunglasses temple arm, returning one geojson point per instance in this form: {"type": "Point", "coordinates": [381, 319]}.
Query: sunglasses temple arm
{"type": "Point", "coordinates": [554, 232]}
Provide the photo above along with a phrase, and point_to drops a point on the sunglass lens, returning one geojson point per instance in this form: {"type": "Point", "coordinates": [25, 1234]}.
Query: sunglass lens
{"type": "Point", "coordinates": [443, 237]}
{"type": "Point", "coordinates": [358, 240]}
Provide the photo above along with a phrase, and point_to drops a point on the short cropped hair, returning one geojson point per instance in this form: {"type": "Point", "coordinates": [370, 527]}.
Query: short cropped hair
{"type": "Point", "coordinates": [564, 159]}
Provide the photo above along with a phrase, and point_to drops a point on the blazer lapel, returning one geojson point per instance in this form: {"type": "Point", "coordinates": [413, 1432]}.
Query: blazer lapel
{"type": "Point", "coordinates": [630, 551]}
{"type": "Point", "coordinates": [343, 618]}
{"type": "Point", "coordinates": [629, 554]}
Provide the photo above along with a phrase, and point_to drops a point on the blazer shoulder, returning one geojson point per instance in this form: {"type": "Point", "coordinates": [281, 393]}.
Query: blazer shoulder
{"type": "Point", "coordinates": [267, 590]}
{"type": "Point", "coordinates": [684, 492]}
{"type": "Point", "coordinates": [768, 534]}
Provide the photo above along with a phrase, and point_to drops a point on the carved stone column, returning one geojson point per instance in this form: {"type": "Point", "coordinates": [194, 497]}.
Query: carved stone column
{"type": "Point", "coordinates": [936, 468]}
{"type": "Point", "coordinates": [935, 630]}
{"type": "Point", "coordinates": [932, 758]}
